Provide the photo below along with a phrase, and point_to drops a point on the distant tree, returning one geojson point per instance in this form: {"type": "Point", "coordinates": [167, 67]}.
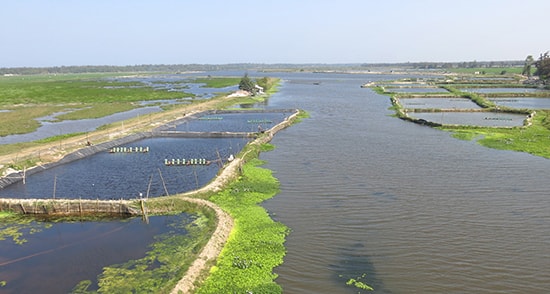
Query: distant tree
{"type": "Point", "coordinates": [543, 67]}
{"type": "Point", "coordinates": [247, 84]}
{"type": "Point", "coordinates": [265, 82]}
{"type": "Point", "coordinates": [529, 61]}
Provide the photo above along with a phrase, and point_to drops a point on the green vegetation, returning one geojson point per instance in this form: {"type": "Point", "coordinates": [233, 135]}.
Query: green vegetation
{"type": "Point", "coordinates": [21, 119]}
{"type": "Point", "coordinates": [26, 98]}
{"type": "Point", "coordinates": [358, 284]}
{"type": "Point", "coordinates": [4, 214]}
{"type": "Point", "coordinates": [56, 90]}
{"type": "Point", "coordinates": [255, 245]}
{"type": "Point", "coordinates": [217, 82]}
{"type": "Point", "coordinates": [89, 111]}
{"type": "Point", "coordinates": [23, 99]}
{"type": "Point", "coordinates": [15, 227]}
{"type": "Point", "coordinates": [247, 84]}
{"type": "Point", "coordinates": [543, 67]}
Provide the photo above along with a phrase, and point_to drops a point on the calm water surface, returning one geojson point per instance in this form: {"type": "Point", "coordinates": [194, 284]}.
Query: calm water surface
{"type": "Point", "coordinates": [125, 175]}
{"type": "Point", "coordinates": [485, 119]}
{"type": "Point", "coordinates": [523, 102]}
{"type": "Point", "coordinates": [412, 208]}
{"type": "Point", "coordinates": [441, 103]}
{"type": "Point", "coordinates": [502, 90]}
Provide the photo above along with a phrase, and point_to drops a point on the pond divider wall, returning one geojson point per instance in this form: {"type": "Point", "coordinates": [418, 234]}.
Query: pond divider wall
{"type": "Point", "coordinates": [120, 207]}
{"type": "Point", "coordinates": [68, 206]}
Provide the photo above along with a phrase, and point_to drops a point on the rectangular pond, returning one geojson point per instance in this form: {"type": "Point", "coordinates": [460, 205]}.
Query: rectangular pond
{"type": "Point", "coordinates": [438, 103]}
{"type": "Point", "coordinates": [485, 119]}
{"type": "Point", "coordinates": [523, 102]}
{"type": "Point", "coordinates": [126, 175]}
{"type": "Point", "coordinates": [417, 90]}
{"type": "Point", "coordinates": [232, 122]}
{"type": "Point", "coordinates": [500, 90]}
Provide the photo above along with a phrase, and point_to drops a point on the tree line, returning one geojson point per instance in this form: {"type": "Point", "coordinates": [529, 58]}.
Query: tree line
{"type": "Point", "coordinates": [542, 66]}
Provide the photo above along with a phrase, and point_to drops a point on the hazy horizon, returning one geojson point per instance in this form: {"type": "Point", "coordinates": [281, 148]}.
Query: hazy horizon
{"type": "Point", "coordinates": [121, 33]}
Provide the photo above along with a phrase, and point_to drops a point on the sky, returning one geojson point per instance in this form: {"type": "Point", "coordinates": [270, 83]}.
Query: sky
{"type": "Point", "coordinates": [40, 33]}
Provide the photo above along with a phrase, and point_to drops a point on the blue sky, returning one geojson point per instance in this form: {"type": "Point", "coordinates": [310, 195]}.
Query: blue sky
{"type": "Point", "coordinates": [128, 32]}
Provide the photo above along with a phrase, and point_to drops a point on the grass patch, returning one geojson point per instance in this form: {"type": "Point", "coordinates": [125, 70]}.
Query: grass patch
{"type": "Point", "coordinates": [217, 82]}
{"type": "Point", "coordinates": [488, 70]}
{"type": "Point", "coordinates": [46, 89]}
{"type": "Point", "coordinates": [22, 119]}
{"type": "Point", "coordinates": [90, 111]}
{"type": "Point", "coordinates": [255, 245]}
{"type": "Point", "coordinates": [16, 227]}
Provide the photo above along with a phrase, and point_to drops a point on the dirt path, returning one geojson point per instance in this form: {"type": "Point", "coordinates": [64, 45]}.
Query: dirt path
{"type": "Point", "coordinates": [212, 249]}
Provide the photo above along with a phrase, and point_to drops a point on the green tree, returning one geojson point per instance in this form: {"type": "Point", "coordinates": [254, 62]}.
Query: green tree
{"type": "Point", "coordinates": [529, 61]}
{"type": "Point", "coordinates": [247, 84]}
{"type": "Point", "coordinates": [543, 67]}
{"type": "Point", "coordinates": [266, 83]}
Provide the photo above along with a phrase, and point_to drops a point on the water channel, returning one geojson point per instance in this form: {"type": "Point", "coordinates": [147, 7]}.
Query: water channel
{"type": "Point", "coordinates": [402, 207]}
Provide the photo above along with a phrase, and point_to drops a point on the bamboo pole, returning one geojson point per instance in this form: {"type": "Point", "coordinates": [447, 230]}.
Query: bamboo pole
{"type": "Point", "coordinates": [163, 183]}
{"type": "Point", "coordinates": [54, 185]}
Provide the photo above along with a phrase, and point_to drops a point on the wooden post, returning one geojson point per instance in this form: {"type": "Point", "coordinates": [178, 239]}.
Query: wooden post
{"type": "Point", "coordinates": [54, 185]}
{"type": "Point", "coordinates": [144, 211]}
{"type": "Point", "coordinates": [149, 186]}
{"type": "Point", "coordinates": [163, 183]}
{"type": "Point", "coordinates": [23, 208]}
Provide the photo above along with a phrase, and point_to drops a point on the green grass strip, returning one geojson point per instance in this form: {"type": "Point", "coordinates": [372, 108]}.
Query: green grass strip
{"type": "Point", "coordinates": [256, 244]}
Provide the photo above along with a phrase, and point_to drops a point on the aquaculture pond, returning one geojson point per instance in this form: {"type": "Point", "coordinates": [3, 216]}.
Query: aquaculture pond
{"type": "Point", "coordinates": [523, 102]}
{"type": "Point", "coordinates": [417, 90]}
{"type": "Point", "coordinates": [501, 90]}
{"type": "Point", "coordinates": [126, 175]}
{"type": "Point", "coordinates": [485, 119]}
{"type": "Point", "coordinates": [55, 257]}
{"type": "Point", "coordinates": [233, 121]}
{"type": "Point", "coordinates": [438, 103]}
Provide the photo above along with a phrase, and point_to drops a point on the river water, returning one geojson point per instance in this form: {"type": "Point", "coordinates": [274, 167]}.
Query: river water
{"type": "Point", "coordinates": [399, 206]}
